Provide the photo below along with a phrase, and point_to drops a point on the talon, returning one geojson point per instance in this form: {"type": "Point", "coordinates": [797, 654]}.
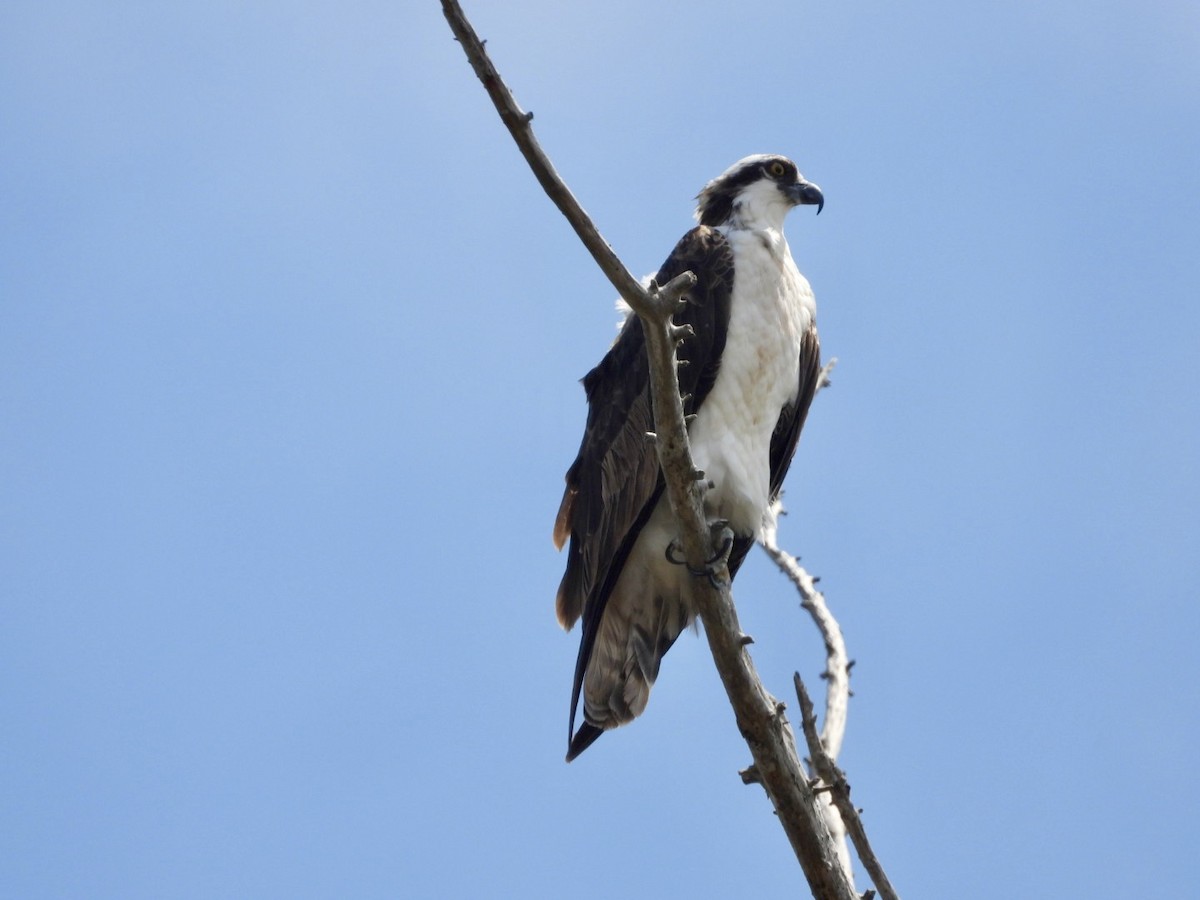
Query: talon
{"type": "Point", "coordinates": [720, 527]}
{"type": "Point", "coordinates": [707, 572]}
{"type": "Point", "coordinates": [722, 551]}
{"type": "Point", "coordinates": [709, 569]}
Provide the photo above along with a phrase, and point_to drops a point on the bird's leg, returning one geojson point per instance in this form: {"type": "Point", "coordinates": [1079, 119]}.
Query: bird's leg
{"type": "Point", "coordinates": [722, 537]}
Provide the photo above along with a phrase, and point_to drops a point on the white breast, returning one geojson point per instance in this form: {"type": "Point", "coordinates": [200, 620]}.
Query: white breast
{"type": "Point", "coordinates": [772, 308]}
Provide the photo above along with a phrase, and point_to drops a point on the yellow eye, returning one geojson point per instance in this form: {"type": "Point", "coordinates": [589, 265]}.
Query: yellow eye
{"type": "Point", "coordinates": [776, 169]}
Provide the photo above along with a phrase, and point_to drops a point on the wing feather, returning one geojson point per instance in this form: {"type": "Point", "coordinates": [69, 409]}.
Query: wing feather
{"type": "Point", "coordinates": [791, 419]}
{"type": "Point", "coordinates": [614, 483]}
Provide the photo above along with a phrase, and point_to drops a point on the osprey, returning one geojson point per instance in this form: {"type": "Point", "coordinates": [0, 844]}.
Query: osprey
{"type": "Point", "coordinates": [748, 374]}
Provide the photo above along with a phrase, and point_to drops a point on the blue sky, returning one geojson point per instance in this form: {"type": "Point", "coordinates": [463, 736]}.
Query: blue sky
{"type": "Point", "coordinates": [289, 350]}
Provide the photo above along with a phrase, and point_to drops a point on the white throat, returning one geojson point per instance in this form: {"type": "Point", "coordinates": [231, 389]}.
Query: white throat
{"type": "Point", "coordinates": [760, 207]}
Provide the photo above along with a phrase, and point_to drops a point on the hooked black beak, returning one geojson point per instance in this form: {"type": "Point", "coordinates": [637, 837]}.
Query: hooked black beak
{"type": "Point", "coordinates": [805, 193]}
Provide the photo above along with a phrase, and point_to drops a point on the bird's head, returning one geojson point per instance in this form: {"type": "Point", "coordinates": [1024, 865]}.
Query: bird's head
{"type": "Point", "coordinates": [756, 192]}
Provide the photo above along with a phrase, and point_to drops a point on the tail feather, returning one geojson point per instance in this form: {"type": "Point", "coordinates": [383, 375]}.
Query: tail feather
{"type": "Point", "coordinates": [584, 738]}
{"type": "Point", "coordinates": [625, 663]}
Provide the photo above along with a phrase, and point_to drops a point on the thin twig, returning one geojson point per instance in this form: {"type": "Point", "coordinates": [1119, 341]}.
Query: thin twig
{"type": "Point", "coordinates": [835, 779]}
{"type": "Point", "coordinates": [823, 380]}
{"type": "Point", "coordinates": [837, 662]}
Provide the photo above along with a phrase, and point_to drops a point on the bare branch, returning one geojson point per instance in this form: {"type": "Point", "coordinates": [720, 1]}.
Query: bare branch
{"type": "Point", "coordinates": [837, 663]}
{"type": "Point", "coordinates": [518, 123]}
{"type": "Point", "coordinates": [837, 666]}
{"type": "Point", "coordinates": [839, 791]}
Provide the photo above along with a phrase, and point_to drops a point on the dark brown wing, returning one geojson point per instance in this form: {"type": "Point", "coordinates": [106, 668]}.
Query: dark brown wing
{"type": "Point", "coordinates": [791, 420]}
{"type": "Point", "coordinates": [614, 482]}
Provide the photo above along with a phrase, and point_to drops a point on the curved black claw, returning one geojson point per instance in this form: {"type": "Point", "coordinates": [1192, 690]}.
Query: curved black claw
{"type": "Point", "coordinates": [674, 560]}
{"type": "Point", "coordinates": [720, 530]}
